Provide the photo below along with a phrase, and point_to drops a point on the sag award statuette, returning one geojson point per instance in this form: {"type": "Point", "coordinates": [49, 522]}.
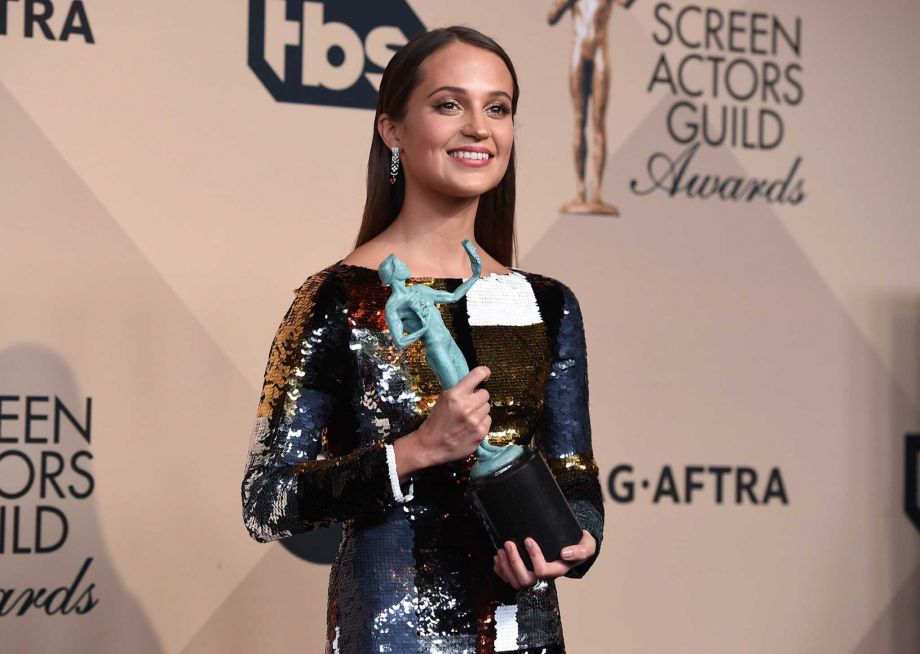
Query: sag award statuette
{"type": "Point", "coordinates": [511, 486]}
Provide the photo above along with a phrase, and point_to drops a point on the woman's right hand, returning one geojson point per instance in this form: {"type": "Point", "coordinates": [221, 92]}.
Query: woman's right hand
{"type": "Point", "coordinates": [458, 422]}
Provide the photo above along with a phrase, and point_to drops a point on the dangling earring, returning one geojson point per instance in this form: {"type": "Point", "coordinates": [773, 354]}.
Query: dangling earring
{"type": "Point", "coordinates": [394, 164]}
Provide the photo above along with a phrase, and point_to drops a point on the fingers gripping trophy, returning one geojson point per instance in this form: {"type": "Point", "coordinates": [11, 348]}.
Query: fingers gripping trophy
{"type": "Point", "coordinates": [511, 486]}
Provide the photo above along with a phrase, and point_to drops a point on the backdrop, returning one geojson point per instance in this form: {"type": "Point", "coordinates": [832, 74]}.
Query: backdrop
{"type": "Point", "coordinates": [171, 171]}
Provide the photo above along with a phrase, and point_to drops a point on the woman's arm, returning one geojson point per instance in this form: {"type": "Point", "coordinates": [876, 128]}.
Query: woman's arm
{"type": "Point", "coordinates": [286, 488]}
{"type": "Point", "coordinates": [564, 433]}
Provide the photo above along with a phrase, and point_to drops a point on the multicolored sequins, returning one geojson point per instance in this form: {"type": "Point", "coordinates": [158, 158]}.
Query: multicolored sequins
{"type": "Point", "coordinates": [417, 576]}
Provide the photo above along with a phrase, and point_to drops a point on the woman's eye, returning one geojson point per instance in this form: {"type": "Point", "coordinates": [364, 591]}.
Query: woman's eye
{"type": "Point", "coordinates": [497, 109]}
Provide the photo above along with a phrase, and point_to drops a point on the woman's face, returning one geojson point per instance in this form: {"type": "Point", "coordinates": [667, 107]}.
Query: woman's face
{"type": "Point", "coordinates": [472, 112]}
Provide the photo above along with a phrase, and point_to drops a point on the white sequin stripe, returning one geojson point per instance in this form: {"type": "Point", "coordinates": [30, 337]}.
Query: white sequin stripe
{"type": "Point", "coordinates": [502, 300]}
{"type": "Point", "coordinates": [335, 643]}
{"type": "Point", "coordinates": [394, 477]}
{"type": "Point", "coordinates": [506, 628]}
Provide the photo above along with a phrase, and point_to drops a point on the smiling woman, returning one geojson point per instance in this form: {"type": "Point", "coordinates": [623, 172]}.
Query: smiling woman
{"type": "Point", "coordinates": [452, 91]}
{"type": "Point", "coordinates": [353, 429]}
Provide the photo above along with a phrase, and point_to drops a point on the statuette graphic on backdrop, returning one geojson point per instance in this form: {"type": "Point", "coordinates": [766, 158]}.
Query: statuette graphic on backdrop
{"type": "Point", "coordinates": [589, 76]}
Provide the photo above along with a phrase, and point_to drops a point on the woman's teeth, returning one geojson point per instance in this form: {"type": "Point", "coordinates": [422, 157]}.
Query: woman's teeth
{"type": "Point", "coordinates": [465, 154]}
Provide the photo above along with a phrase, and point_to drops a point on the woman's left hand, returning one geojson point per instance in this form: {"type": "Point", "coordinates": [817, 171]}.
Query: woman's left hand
{"type": "Point", "coordinates": [508, 565]}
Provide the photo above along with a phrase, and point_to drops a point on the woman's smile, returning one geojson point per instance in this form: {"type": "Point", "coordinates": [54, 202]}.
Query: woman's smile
{"type": "Point", "coordinates": [471, 158]}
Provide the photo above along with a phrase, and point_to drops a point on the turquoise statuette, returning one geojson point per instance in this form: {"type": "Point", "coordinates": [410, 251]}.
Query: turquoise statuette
{"type": "Point", "coordinates": [412, 309]}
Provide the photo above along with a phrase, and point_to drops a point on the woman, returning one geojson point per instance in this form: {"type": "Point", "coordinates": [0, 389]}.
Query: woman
{"type": "Point", "coordinates": [415, 570]}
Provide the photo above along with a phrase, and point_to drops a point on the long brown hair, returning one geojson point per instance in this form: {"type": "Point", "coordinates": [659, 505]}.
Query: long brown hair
{"type": "Point", "coordinates": [494, 225]}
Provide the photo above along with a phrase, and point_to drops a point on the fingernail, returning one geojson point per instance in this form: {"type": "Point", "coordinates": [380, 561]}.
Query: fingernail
{"type": "Point", "coordinates": [568, 553]}
{"type": "Point", "coordinates": [529, 543]}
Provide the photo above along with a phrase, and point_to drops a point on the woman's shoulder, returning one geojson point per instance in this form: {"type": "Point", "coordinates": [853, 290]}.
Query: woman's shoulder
{"type": "Point", "coordinates": [332, 290]}
{"type": "Point", "coordinates": [315, 282]}
{"type": "Point", "coordinates": [321, 292]}
{"type": "Point", "coordinates": [559, 309]}
{"type": "Point", "coordinates": [550, 288]}
{"type": "Point", "coordinates": [336, 276]}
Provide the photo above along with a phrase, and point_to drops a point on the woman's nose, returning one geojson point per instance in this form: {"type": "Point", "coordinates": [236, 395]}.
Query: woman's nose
{"type": "Point", "coordinates": [476, 126]}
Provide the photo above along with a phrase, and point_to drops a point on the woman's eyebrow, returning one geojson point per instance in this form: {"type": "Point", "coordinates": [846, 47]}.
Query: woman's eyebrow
{"type": "Point", "coordinates": [462, 91]}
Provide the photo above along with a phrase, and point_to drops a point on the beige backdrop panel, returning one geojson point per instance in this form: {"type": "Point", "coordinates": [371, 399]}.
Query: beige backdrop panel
{"type": "Point", "coordinates": [158, 207]}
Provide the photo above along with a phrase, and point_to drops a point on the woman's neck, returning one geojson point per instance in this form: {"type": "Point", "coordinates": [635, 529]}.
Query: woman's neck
{"type": "Point", "coordinates": [427, 234]}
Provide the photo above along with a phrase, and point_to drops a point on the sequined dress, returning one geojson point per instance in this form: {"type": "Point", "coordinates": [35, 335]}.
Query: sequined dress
{"type": "Point", "coordinates": [413, 572]}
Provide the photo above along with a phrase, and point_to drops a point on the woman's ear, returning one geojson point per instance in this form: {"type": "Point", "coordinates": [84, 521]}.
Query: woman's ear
{"type": "Point", "coordinates": [388, 130]}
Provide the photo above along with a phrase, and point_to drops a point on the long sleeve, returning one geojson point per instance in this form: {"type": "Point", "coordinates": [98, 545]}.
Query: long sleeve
{"type": "Point", "coordinates": [286, 487]}
{"type": "Point", "coordinates": [564, 434]}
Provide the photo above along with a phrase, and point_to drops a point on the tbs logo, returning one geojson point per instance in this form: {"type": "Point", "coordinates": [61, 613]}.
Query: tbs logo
{"type": "Point", "coordinates": [330, 53]}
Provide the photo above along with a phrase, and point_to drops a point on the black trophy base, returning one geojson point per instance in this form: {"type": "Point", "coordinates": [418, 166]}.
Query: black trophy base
{"type": "Point", "coordinates": [524, 500]}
